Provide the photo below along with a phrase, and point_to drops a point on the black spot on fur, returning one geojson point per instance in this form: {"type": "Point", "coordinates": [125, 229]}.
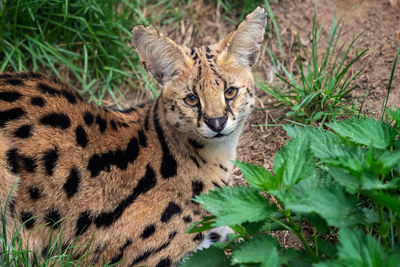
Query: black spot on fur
{"type": "Point", "coordinates": [10, 96]}
{"type": "Point", "coordinates": [72, 183]}
{"type": "Point", "coordinates": [50, 159]}
{"type": "Point", "coordinates": [120, 158]}
{"type": "Point", "coordinates": [223, 168]}
{"type": "Point", "coordinates": [25, 131]}
{"type": "Point", "coordinates": [102, 124]}
{"type": "Point", "coordinates": [128, 110]}
{"type": "Point", "coordinates": [56, 120]}
{"type": "Point", "coordinates": [5, 76]}
{"type": "Point", "coordinates": [195, 161]}
{"type": "Point", "coordinates": [121, 253]}
{"type": "Point", "coordinates": [148, 231]}
{"type": "Point", "coordinates": [81, 136]}
{"type": "Point", "coordinates": [142, 138]}
{"type": "Point", "coordinates": [197, 187]}
{"type": "Point", "coordinates": [83, 223]}
{"type": "Point", "coordinates": [88, 118]}
{"type": "Point", "coordinates": [29, 163]}
{"type": "Point", "coordinates": [147, 182]}
{"type": "Point", "coordinates": [45, 252]}
{"type": "Point", "coordinates": [46, 89]}
{"type": "Point", "coordinates": [171, 210]}
{"type": "Point", "coordinates": [16, 161]}
{"type": "Point", "coordinates": [35, 192]}
{"type": "Point", "coordinates": [172, 235]}
{"type": "Point", "coordinates": [11, 206]}
{"type": "Point", "coordinates": [146, 119]}
{"type": "Point", "coordinates": [141, 257]}
{"type": "Point", "coordinates": [38, 101]}
{"type": "Point", "coordinates": [14, 82]}
{"type": "Point", "coordinates": [198, 237]}
{"type": "Point", "coordinates": [113, 125]}
{"type": "Point", "coordinates": [27, 218]}
{"type": "Point", "coordinates": [187, 219]}
{"type": "Point", "coordinates": [216, 185]}
{"type": "Point", "coordinates": [13, 159]}
{"type": "Point", "coordinates": [168, 164]}
{"type": "Point", "coordinates": [28, 75]}
{"type": "Point", "coordinates": [166, 262]}
{"type": "Point", "coordinates": [53, 217]}
{"type": "Point", "coordinates": [195, 144]}
{"type": "Point", "coordinates": [208, 50]}
{"type": "Point", "coordinates": [10, 114]}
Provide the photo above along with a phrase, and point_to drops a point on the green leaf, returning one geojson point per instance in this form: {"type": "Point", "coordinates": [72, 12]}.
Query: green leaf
{"type": "Point", "coordinates": [371, 215]}
{"type": "Point", "coordinates": [327, 199]}
{"type": "Point", "coordinates": [236, 205]}
{"type": "Point", "coordinates": [260, 249]}
{"type": "Point", "coordinates": [324, 144]}
{"type": "Point", "coordinates": [318, 222]}
{"type": "Point", "coordinates": [366, 131]}
{"type": "Point", "coordinates": [258, 176]}
{"type": "Point", "coordinates": [357, 250]}
{"type": "Point", "coordinates": [395, 114]}
{"type": "Point", "coordinates": [387, 200]}
{"type": "Point", "coordinates": [394, 257]}
{"type": "Point", "coordinates": [299, 161]}
{"type": "Point", "coordinates": [203, 225]}
{"type": "Point", "coordinates": [327, 247]}
{"type": "Point", "coordinates": [371, 182]}
{"type": "Point", "coordinates": [344, 178]}
{"type": "Point", "coordinates": [211, 257]}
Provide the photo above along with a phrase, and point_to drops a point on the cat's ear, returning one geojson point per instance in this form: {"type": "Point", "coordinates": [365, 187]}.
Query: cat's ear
{"type": "Point", "coordinates": [243, 45]}
{"type": "Point", "coordinates": [161, 56]}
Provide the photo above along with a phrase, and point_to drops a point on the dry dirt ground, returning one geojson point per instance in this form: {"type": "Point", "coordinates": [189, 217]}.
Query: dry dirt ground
{"type": "Point", "coordinates": [203, 23]}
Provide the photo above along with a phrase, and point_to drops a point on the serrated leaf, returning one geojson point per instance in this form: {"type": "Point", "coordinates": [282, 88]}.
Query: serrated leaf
{"type": "Point", "coordinates": [258, 176]}
{"type": "Point", "coordinates": [260, 249]}
{"type": "Point", "coordinates": [372, 182]}
{"type": "Point", "coordinates": [299, 161]}
{"type": "Point", "coordinates": [357, 249]}
{"type": "Point", "coordinates": [236, 205]}
{"type": "Point", "coordinates": [323, 145]}
{"type": "Point", "coordinates": [328, 200]}
{"type": "Point", "coordinates": [211, 257]}
{"type": "Point", "coordinates": [344, 178]}
{"type": "Point", "coordinates": [366, 131]}
{"type": "Point", "coordinates": [387, 200]}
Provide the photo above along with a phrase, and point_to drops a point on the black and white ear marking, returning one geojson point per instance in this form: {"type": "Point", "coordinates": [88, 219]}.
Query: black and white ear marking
{"type": "Point", "coordinates": [217, 234]}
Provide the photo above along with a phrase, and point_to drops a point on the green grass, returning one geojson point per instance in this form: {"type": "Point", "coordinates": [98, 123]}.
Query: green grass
{"type": "Point", "coordinates": [320, 91]}
{"type": "Point", "coordinates": [86, 42]}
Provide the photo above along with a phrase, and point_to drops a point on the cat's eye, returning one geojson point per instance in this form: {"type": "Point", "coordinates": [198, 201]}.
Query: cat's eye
{"type": "Point", "coordinates": [191, 100]}
{"type": "Point", "coordinates": [231, 93]}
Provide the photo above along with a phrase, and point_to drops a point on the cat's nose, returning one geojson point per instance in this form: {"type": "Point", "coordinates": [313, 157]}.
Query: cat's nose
{"type": "Point", "coordinates": [216, 124]}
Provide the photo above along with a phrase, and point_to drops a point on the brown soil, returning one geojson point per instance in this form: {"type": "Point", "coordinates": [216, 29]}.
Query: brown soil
{"type": "Point", "coordinates": [203, 23]}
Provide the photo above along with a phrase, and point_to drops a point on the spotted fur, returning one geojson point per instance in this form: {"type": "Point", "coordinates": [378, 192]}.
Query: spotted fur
{"type": "Point", "coordinates": [126, 179]}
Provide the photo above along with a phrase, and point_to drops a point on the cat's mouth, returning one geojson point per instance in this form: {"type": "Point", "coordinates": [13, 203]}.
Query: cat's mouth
{"type": "Point", "coordinates": [218, 136]}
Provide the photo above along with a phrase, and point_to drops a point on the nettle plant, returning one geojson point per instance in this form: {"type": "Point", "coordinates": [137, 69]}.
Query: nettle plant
{"type": "Point", "coordinates": [343, 183]}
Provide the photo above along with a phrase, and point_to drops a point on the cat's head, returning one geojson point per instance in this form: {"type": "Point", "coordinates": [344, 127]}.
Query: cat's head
{"type": "Point", "coordinates": [208, 91]}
